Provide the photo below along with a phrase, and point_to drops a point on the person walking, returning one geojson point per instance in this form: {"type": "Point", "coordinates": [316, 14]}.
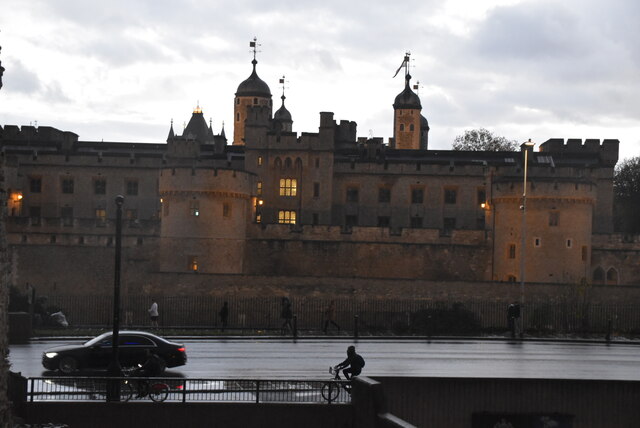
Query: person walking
{"type": "Point", "coordinates": [153, 313]}
{"type": "Point", "coordinates": [330, 317]}
{"type": "Point", "coordinates": [286, 315]}
{"type": "Point", "coordinates": [224, 315]}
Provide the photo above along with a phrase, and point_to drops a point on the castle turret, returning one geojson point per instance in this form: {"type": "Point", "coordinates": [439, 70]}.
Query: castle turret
{"type": "Point", "coordinates": [407, 118]}
{"type": "Point", "coordinates": [252, 92]}
{"type": "Point", "coordinates": [282, 118]}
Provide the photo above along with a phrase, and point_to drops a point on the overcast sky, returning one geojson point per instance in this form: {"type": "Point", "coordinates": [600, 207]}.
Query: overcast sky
{"type": "Point", "coordinates": [120, 70]}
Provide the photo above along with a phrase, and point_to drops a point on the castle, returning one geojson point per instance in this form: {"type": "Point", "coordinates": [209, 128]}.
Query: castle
{"type": "Point", "coordinates": [200, 213]}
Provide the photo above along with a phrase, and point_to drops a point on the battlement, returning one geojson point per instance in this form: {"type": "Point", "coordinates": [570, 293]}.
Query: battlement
{"type": "Point", "coordinates": [43, 134]}
{"type": "Point", "coordinates": [608, 149]}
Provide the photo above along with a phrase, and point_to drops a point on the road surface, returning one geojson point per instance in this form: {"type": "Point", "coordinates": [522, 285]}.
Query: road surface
{"type": "Point", "coordinates": [311, 358]}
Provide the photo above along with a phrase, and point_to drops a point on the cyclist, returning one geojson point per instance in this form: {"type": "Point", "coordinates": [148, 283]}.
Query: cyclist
{"type": "Point", "coordinates": [153, 366]}
{"type": "Point", "coordinates": [353, 365]}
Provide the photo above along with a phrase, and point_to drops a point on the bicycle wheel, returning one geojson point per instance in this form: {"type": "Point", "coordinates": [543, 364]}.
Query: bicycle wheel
{"type": "Point", "coordinates": [126, 390]}
{"type": "Point", "coordinates": [330, 391]}
{"type": "Point", "coordinates": [158, 392]}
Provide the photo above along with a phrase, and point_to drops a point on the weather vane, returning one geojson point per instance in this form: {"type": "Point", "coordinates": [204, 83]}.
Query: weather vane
{"type": "Point", "coordinates": [282, 81]}
{"type": "Point", "coordinates": [405, 64]}
{"type": "Point", "coordinates": [254, 44]}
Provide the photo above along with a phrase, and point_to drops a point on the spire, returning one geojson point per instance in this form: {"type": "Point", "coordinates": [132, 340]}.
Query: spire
{"type": "Point", "coordinates": [171, 133]}
{"type": "Point", "coordinates": [282, 83]}
{"type": "Point", "coordinates": [222, 134]}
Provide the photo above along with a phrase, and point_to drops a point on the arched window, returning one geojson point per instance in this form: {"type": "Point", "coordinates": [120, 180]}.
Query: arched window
{"type": "Point", "coordinates": [287, 163]}
{"type": "Point", "coordinates": [402, 127]}
{"type": "Point", "coordinates": [277, 163]}
{"type": "Point", "coordinates": [298, 163]}
{"type": "Point", "coordinates": [511, 278]}
{"type": "Point", "coordinates": [612, 276]}
{"type": "Point", "coordinates": [411, 127]}
{"type": "Point", "coordinates": [598, 275]}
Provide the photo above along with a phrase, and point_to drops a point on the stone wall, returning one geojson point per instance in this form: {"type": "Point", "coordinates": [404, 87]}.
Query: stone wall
{"type": "Point", "coordinates": [5, 416]}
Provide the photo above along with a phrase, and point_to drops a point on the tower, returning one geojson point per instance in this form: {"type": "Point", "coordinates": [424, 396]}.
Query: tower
{"type": "Point", "coordinates": [282, 117]}
{"type": "Point", "coordinates": [252, 92]}
{"type": "Point", "coordinates": [407, 119]}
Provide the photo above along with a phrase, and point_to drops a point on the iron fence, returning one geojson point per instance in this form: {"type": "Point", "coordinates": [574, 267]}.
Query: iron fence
{"type": "Point", "coordinates": [191, 390]}
{"type": "Point", "coordinates": [374, 316]}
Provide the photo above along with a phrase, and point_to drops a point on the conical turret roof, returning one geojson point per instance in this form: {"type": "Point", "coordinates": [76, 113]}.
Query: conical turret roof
{"type": "Point", "coordinates": [407, 99]}
{"type": "Point", "coordinates": [254, 86]}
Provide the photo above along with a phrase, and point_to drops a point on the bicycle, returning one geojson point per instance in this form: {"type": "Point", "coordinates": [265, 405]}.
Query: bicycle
{"type": "Point", "coordinates": [156, 390]}
{"type": "Point", "coordinates": [331, 389]}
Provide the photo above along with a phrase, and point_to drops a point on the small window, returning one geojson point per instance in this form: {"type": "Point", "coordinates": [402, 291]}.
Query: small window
{"type": "Point", "coordinates": [417, 196]}
{"type": "Point", "coordinates": [384, 195]}
{"type": "Point", "coordinates": [259, 160]}
{"type": "Point", "coordinates": [450, 196]}
{"type": "Point", "coordinates": [258, 217]}
{"type": "Point", "coordinates": [67, 185]}
{"type": "Point", "coordinates": [34, 215]}
{"type": "Point", "coordinates": [255, 101]}
{"type": "Point", "coordinates": [101, 216]}
{"type": "Point", "coordinates": [194, 208]}
{"type": "Point", "coordinates": [193, 263]}
{"type": "Point", "coordinates": [109, 241]}
{"type": "Point", "coordinates": [537, 242]}
{"type": "Point", "coordinates": [237, 101]}
{"type": "Point", "coordinates": [416, 222]}
{"type": "Point", "coordinates": [569, 243]}
{"type": "Point", "coordinates": [316, 190]}
{"type": "Point", "coordinates": [132, 187]}
{"type": "Point", "coordinates": [24, 239]}
{"type": "Point", "coordinates": [286, 217]}
{"type": "Point", "coordinates": [612, 276]}
{"type": "Point", "coordinates": [352, 194]}
{"type": "Point", "coordinates": [512, 251]}
{"type": "Point", "coordinates": [259, 190]}
{"type": "Point", "coordinates": [35, 184]}
{"type": "Point", "coordinates": [237, 117]}
{"type": "Point", "coordinates": [598, 275]}
{"type": "Point", "coordinates": [411, 127]}
{"type": "Point", "coordinates": [511, 278]}
{"type": "Point", "coordinates": [288, 187]}
{"type": "Point", "coordinates": [67, 216]}
{"type": "Point", "coordinates": [554, 217]}
{"type": "Point", "coordinates": [402, 127]}
{"type": "Point", "coordinates": [383, 221]}
{"type": "Point", "coordinates": [99, 186]}
{"type": "Point", "coordinates": [226, 210]}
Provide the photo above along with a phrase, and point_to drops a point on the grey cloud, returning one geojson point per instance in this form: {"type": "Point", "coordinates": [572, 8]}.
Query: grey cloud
{"type": "Point", "coordinates": [19, 79]}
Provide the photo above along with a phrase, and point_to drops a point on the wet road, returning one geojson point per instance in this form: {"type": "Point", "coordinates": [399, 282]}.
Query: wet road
{"type": "Point", "coordinates": [284, 359]}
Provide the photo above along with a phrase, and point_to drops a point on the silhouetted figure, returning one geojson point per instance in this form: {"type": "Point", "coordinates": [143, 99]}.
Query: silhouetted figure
{"type": "Point", "coordinates": [286, 315]}
{"type": "Point", "coordinates": [353, 365]}
{"type": "Point", "coordinates": [153, 313]}
{"type": "Point", "coordinates": [224, 315]}
{"type": "Point", "coordinates": [330, 317]}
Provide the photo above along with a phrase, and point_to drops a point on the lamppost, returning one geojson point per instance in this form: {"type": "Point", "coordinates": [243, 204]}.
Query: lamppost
{"type": "Point", "coordinates": [114, 367]}
{"type": "Point", "coordinates": [523, 247]}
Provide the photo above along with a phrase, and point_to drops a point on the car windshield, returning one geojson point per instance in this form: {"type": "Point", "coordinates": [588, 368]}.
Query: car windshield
{"type": "Point", "coordinates": [98, 339]}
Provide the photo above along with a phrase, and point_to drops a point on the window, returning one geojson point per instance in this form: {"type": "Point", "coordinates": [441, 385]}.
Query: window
{"type": "Point", "coordinates": [194, 208]}
{"type": "Point", "coordinates": [598, 275]}
{"type": "Point", "coordinates": [449, 224]}
{"type": "Point", "coordinates": [351, 220]}
{"type": "Point", "coordinates": [384, 195]}
{"type": "Point", "coordinates": [383, 221]}
{"type": "Point", "coordinates": [612, 276]}
{"type": "Point", "coordinates": [259, 160]}
{"type": "Point", "coordinates": [512, 251]}
{"type": "Point", "coordinates": [417, 195]}
{"type": "Point", "coordinates": [316, 190]}
{"type": "Point", "coordinates": [35, 184]}
{"type": "Point", "coordinates": [352, 194]}
{"type": "Point", "coordinates": [569, 243]}
{"type": "Point", "coordinates": [258, 217]}
{"type": "Point", "coordinates": [193, 263]}
{"type": "Point", "coordinates": [288, 186]}
{"type": "Point", "coordinates": [34, 214]}
{"type": "Point", "coordinates": [67, 216]}
{"type": "Point", "coordinates": [101, 216]}
{"type": "Point", "coordinates": [237, 117]}
{"type": "Point", "coordinates": [67, 185]}
{"type": "Point", "coordinates": [416, 222]}
{"type": "Point", "coordinates": [315, 219]}
{"type": "Point", "coordinates": [99, 186]}
{"type": "Point", "coordinates": [554, 216]}
{"type": "Point", "coordinates": [450, 196]}
{"type": "Point", "coordinates": [286, 217]}
{"type": "Point", "coordinates": [537, 242]}
{"type": "Point", "coordinates": [402, 127]}
{"type": "Point", "coordinates": [131, 214]}
{"type": "Point", "coordinates": [411, 127]}
{"type": "Point", "coordinates": [255, 101]}
{"type": "Point", "coordinates": [226, 209]}
{"type": "Point", "coordinates": [259, 190]}
{"type": "Point", "coordinates": [511, 278]}
{"type": "Point", "coordinates": [132, 187]}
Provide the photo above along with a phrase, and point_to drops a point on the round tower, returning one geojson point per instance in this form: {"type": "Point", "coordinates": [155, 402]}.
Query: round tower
{"type": "Point", "coordinates": [252, 92]}
{"type": "Point", "coordinates": [557, 229]}
{"type": "Point", "coordinates": [282, 117]}
{"type": "Point", "coordinates": [407, 118]}
{"type": "Point", "coordinates": [204, 217]}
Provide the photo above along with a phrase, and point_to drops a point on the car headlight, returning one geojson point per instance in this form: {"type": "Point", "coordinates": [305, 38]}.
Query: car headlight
{"type": "Point", "coordinates": [51, 354]}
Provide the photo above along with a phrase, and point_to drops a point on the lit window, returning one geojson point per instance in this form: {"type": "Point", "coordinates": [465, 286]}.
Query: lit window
{"type": "Point", "coordinates": [194, 208]}
{"type": "Point", "coordinates": [286, 217]}
{"type": "Point", "coordinates": [193, 263]}
{"type": "Point", "coordinates": [259, 160]}
{"type": "Point", "coordinates": [101, 216]}
{"type": "Point", "coordinates": [259, 192]}
{"type": "Point", "coordinates": [288, 186]}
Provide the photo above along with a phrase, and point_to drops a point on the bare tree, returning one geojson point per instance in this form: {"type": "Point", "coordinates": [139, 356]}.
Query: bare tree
{"type": "Point", "coordinates": [626, 187]}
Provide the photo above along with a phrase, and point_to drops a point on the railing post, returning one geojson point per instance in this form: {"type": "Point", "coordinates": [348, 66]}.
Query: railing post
{"type": "Point", "coordinates": [609, 328]}
{"type": "Point", "coordinates": [32, 386]}
{"type": "Point", "coordinates": [295, 326]}
{"type": "Point", "coordinates": [355, 326]}
{"type": "Point", "coordinates": [257, 391]}
{"type": "Point", "coordinates": [184, 390]}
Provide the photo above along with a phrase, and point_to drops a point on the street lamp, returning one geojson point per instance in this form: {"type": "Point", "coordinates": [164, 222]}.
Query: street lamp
{"type": "Point", "coordinates": [114, 367]}
{"type": "Point", "coordinates": [526, 147]}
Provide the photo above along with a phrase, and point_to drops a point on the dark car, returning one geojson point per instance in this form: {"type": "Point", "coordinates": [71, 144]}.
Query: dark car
{"type": "Point", "coordinates": [96, 353]}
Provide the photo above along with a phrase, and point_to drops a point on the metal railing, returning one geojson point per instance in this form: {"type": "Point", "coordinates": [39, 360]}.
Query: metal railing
{"type": "Point", "coordinates": [59, 388]}
{"type": "Point", "coordinates": [375, 316]}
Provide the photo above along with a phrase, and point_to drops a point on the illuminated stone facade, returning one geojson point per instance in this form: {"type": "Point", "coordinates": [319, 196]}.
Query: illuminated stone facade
{"type": "Point", "coordinates": [323, 204]}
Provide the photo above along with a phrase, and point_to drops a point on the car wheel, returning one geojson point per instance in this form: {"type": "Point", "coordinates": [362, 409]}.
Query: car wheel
{"type": "Point", "coordinates": [68, 365]}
